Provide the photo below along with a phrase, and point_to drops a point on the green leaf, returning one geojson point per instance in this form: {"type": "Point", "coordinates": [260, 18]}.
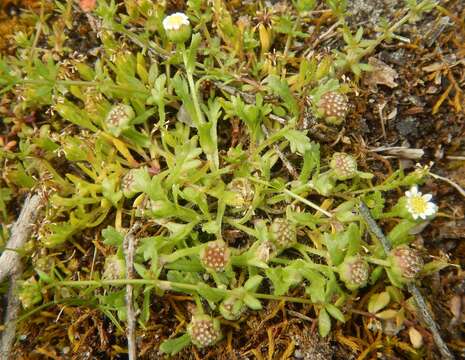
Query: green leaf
{"type": "Point", "coordinates": [283, 278]}
{"type": "Point", "coordinates": [400, 234]}
{"type": "Point", "coordinates": [311, 162]}
{"type": "Point", "coordinates": [73, 114]}
{"type": "Point", "coordinates": [192, 52]}
{"type": "Point", "coordinates": [324, 323]}
{"type": "Point", "coordinates": [324, 183]}
{"type": "Point", "coordinates": [335, 312]}
{"type": "Point", "coordinates": [253, 283]}
{"type": "Point", "coordinates": [354, 239]}
{"type": "Point", "coordinates": [211, 294]}
{"type": "Point", "coordinates": [435, 266]}
{"type": "Point", "coordinates": [44, 276]}
{"type": "Point", "coordinates": [111, 236]}
{"type": "Point", "coordinates": [298, 141]}
{"type": "Point", "coordinates": [280, 87]}
{"type": "Point", "coordinates": [316, 289]}
{"type": "Point", "coordinates": [252, 302]}
{"type": "Point", "coordinates": [173, 346]}
{"type": "Point", "coordinates": [109, 191]}
{"type": "Point", "coordinates": [378, 302]}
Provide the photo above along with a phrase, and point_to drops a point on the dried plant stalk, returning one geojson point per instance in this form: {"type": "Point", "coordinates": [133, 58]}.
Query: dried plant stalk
{"type": "Point", "coordinates": [10, 266]}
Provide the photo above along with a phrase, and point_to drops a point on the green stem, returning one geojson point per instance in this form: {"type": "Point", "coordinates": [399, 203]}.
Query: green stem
{"type": "Point", "coordinates": [167, 285]}
{"type": "Point", "coordinates": [236, 224]}
{"type": "Point", "coordinates": [283, 298]}
{"type": "Point", "coordinates": [81, 83]}
{"type": "Point", "coordinates": [181, 253]}
{"type": "Point", "coordinates": [307, 202]}
{"type": "Point", "coordinates": [379, 262]}
{"type": "Point", "coordinates": [310, 264]}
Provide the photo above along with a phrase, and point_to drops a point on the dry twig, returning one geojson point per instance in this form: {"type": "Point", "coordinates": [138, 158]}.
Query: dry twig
{"type": "Point", "coordinates": [129, 247]}
{"type": "Point", "coordinates": [10, 266]}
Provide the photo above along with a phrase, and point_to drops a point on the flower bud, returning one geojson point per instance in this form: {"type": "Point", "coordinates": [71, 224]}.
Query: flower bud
{"type": "Point", "coordinates": [406, 263]}
{"type": "Point", "coordinates": [135, 181]}
{"type": "Point", "coordinates": [119, 119]}
{"type": "Point", "coordinates": [243, 190]}
{"type": "Point", "coordinates": [215, 256]}
{"type": "Point", "coordinates": [283, 233]}
{"type": "Point", "coordinates": [115, 268]}
{"type": "Point", "coordinates": [127, 184]}
{"type": "Point", "coordinates": [265, 251]}
{"type": "Point", "coordinates": [232, 308]}
{"type": "Point", "coordinates": [354, 272]}
{"type": "Point", "coordinates": [177, 27]}
{"type": "Point", "coordinates": [29, 293]}
{"type": "Point", "coordinates": [333, 106]}
{"type": "Point", "coordinates": [204, 330]}
{"type": "Point", "coordinates": [344, 166]}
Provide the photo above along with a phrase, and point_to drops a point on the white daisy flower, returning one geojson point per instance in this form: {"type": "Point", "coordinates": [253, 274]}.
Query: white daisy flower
{"type": "Point", "coordinates": [419, 205]}
{"type": "Point", "coordinates": [175, 21]}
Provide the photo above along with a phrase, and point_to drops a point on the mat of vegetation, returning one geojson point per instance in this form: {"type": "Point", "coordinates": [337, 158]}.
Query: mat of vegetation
{"type": "Point", "coordinates": [233, 179]}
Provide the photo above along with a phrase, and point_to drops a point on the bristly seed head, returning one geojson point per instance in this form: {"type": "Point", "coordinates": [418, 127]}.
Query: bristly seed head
{"type": "Point", "coordinates": [406, 263]}
{"type": "Point", "coordinates": [283, 233]}
{"type": "Point", "coordinates": [344, 166]}
{"type": "Point", "coordinates": [119, 118]}
{"type": "Point", "coordinates": [115, 268]}
{"type": "Point", "coordinates": [215, 256]}
{"type": "Point", "coordinates": [232, 308]}
{"type": "Point", "coordinates": [354, 272]}
{"type": "Point", "coordinates": [204, 330]}
{"type": "Point", "coordinates": [127, 184]}
{"type": "Point", "coordinates": [333, 107]}
{"type": "Point", "coordinates": [243, 190]}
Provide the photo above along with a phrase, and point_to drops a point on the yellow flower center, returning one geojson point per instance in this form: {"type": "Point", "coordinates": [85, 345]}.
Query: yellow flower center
{"type": "Point", "coordinates": [176, 21]}
{"type": "Point", "coordinates": [418, 204]}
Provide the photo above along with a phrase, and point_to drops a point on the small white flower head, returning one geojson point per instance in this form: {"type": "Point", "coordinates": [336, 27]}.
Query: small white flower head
{"type": "Point", "coordinates": [175, 21]}
{"type": "Point", "coordinates": [177, 27]}
{"type": "Point", "coordinates": [419, 205]}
